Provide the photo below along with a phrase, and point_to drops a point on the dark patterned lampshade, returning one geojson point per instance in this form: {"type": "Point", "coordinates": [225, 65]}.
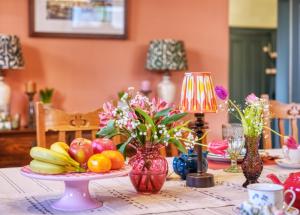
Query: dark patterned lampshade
{"type": "Point", "coordinates": [10, 52]}
{"type": "Point", "coordinates": [166, 54]}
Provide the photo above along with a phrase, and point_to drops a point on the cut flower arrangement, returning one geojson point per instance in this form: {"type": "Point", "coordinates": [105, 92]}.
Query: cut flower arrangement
{"type": "Point", "coordinates": [251, 118]}
{"type": "Point", "coordinates": [145, 123]}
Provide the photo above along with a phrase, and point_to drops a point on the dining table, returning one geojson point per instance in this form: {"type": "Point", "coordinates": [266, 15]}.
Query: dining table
{"type": "Point", "coordinates": [23, 195]}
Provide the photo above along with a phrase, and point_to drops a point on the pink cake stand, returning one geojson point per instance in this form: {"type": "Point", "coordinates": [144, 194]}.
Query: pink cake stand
{"type": "Point", "coordinates": [76, 196]}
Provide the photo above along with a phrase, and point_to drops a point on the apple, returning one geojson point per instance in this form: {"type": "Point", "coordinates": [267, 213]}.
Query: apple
{"type": "Point", "coordinates": [102, 144]}
{"type": "Point", "coordinates": [81, 150]}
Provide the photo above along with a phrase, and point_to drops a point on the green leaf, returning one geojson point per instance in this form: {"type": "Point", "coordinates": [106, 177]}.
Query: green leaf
{"type": "Point", "coordinates": [163, 112]}
{"type": "Point", "coordinates": [142, 127]}
{"type": "Point", "coordinates": [173, 118]}
{"type": "Point", "coordinates": [112, 135]}
{"type": "Point", "coordinates": [122, 146]}
{"type": "Point", "coordinates": [147, 118]}
{"type": "Point", "coordinates": [178, 145]}
{"type": "Point", "coordinates": [121, 94]}
{"type": "Point", "coordinates": [181, 127]}
{"type": "Point", "coordinates": [107, 130]}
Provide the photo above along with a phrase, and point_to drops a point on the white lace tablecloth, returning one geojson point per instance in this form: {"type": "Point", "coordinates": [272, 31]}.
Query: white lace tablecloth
{"type": "Point", "coordinates": [22, 195]}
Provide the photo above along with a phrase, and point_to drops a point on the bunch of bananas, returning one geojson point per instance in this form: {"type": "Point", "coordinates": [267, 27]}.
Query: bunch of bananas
{"type": "Point", "coordinates": [55, 160]}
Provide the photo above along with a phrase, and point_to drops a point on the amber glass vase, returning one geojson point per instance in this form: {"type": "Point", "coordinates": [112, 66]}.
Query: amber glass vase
{"type": "Point", "coordinates": [149, 170]}
{"type": "Point", "coordinates": [252, 164]}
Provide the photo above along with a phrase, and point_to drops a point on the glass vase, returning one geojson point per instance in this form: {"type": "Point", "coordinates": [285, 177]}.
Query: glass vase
{"type": "Point", "coordinates": [252, 164]}
{"type": "Point", "coordinates": [149, 170]}
{"type": "Point", "coordinates": [187, 163]}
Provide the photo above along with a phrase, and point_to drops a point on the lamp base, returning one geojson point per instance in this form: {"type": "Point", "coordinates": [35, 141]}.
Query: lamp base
{"type": "Point", "coordinates": [4, 95]}
{"type": "Point", "coordinates": [200, 180]}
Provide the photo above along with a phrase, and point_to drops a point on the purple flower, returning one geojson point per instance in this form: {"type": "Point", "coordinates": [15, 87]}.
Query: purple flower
{"type": "Point", "coordinates": [221, 92]}
{"type": "Point", "coordinates": [290, 142]}
{"type": "Point", "coordinates": [252, 98]}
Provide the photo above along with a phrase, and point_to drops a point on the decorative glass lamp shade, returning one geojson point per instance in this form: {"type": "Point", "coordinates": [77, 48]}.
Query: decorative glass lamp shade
{"type": "Point", "coordinates": [10, 52]}
{"type": "Point", "coordinates": [166, 54]}
{"type": "Point", "coordinates": [197, 93]}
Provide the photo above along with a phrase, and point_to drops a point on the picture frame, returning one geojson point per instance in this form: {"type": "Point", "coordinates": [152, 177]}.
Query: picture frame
{"type": "Point", "coordinates": [95, 19]}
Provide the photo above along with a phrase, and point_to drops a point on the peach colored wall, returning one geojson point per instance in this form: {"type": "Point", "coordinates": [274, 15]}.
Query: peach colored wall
{"type": "Point", "coordinates": [85, 73]}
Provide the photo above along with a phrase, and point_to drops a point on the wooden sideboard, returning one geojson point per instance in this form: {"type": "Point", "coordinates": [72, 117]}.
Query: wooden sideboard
{"type": "Point", "coordinates": [16, 144]}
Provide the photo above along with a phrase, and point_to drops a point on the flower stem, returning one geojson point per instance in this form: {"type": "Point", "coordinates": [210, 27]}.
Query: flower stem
{"type": "Point", "coordinates": [275, 132]}
{"type": "Point", "coordinates": [237, 109]}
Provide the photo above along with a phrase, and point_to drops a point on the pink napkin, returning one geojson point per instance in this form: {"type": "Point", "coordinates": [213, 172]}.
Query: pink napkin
{"type": "Point", "coordinates": [218, 147]}
{"type": "Point", "coordinates": [290, 142]}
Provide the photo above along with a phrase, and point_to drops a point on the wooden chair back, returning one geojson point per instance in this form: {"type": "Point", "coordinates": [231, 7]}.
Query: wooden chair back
{"type": "Point", "coordinates": [281, 112]}
{"type": "Point", "coordinates": [169, 151]}
{"type": "Point", "coordinates": [50, 119]}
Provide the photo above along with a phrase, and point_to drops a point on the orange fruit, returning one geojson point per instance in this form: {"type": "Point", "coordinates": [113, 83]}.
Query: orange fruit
{"type": "Point", "coordinates": [116, 158]}
{"type": "Point", "coordinates": [99, 163]}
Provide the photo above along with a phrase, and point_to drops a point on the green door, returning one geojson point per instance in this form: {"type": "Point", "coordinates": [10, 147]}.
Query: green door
{"type": "Point", "coordinates": [248, 63]}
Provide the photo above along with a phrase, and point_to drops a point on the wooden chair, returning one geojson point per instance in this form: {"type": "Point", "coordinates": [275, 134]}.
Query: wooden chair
{"type": "Point", "coordinates": [281, 112]}
{"type": "Point", "coordinates": [63, 123]}
{"type": "Point", "coordinates": [169, 151]}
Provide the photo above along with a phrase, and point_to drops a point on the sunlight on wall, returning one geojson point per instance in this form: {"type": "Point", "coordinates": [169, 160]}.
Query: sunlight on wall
{"type": "Point", "coordinates": [253, 13]}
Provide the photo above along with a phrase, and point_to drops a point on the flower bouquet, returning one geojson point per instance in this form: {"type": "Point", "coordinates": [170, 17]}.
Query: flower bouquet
{"type": "Point", "coordinates": [146, 125]}
{"type": "Point", "coordinates": [251, 118]}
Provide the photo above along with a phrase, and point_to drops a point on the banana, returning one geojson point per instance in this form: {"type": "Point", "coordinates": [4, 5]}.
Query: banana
{"type": "Point", "coordinates": [46, 168]}
{"type": "Point", "coordinates": [49, 168]}
{"type": "Point", "coordinates": [60, 147]}
{"type": "Point", "coordinates": [49, 156]}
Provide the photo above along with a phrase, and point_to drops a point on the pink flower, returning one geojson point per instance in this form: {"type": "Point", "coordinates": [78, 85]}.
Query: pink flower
{"type": "Point", "coordinates": [132, 115]}
{"type": "Point", "coordinates": [175, 111]}
{"type": "Point", "coordinates": [290, 142]}
{"type": "Point", "coordinates": [218, 147]}
{"type": "Point", "coordinates": [106, 114]}
{"type": "Point", "coordinates": [159, 104]}
{"type": "Point", "coordinates": [139, 101]}
{"type": "Point", "coordinates": [221, 92]}
{"type": "Point", "coordinates": [252, 98]}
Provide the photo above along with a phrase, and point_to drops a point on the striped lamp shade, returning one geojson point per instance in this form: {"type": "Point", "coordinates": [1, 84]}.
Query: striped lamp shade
{"type": "Point", "coordinates": [197, 93]}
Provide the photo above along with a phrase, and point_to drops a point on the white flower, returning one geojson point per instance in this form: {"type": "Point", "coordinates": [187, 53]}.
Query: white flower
{"type": "Point", "coordinates": [178, 134]}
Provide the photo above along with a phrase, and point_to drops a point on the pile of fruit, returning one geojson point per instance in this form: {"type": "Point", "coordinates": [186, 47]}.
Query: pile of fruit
{"type": "Point", "coordinates": [99, 156]}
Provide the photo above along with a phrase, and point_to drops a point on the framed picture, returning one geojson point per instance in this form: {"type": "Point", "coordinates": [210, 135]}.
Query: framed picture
{"type": "Point", "coordinates": [78, 18]}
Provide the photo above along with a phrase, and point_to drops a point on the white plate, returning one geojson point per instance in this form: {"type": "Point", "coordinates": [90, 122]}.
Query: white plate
{"type": "Point", "coordinates": [287, 164]}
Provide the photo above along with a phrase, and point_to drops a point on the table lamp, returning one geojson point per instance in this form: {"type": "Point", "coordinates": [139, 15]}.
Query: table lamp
{"type": "Point", "coordinates": [166, 55]}
{"type": "Point", "coordinates": [10, 58]}
{"type": "Point", "coordinates": [198, 97]}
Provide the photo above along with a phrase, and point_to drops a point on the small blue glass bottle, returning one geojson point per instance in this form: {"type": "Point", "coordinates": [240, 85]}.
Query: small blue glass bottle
{"type": "Point", "coordinates": [187, 163]}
